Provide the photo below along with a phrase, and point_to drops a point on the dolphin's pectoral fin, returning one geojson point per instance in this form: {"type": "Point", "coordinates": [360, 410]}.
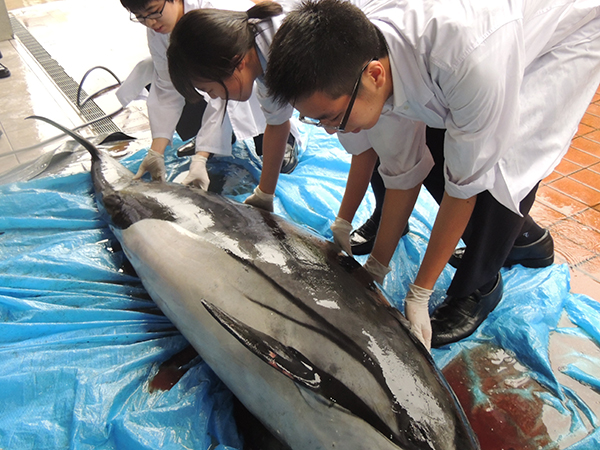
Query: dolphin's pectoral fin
{"type": "Point", "coordinates": [296, 366]}
{"type": "Point", "coordinates": [287, 360]}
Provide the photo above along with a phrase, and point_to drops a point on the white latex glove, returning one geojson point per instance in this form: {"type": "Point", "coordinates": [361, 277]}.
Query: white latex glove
{"type": "Point", "coordinates": [416, 309]}
{"type": "Point", "coordinates": [198, 175]}
{"type": "Point", "coordinates": [377, 270]}
{"type": "Point", "coordinates": [261, 200]}
{"type": "Point", "coordinates": [154, 163]}
{"type": "Point", "coordinates": [341, 230]}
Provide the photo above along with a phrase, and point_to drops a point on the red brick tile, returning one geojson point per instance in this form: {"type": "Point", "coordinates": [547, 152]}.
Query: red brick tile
{"type": "Point", "coordinates": [559, 202]}
{"type": "Point", "coordinates": [595, 168]}
{"type": "Point", "coordinates": [594, 136]}
{"type": "Point", "coordinates": [582, 235]}
{"type": "Point", "coordinates": [590, 218]}
{"type": "Point", "coordinates": [569, 251]}
{"type": "Point", "coordinates": [594, 109]}
{"type": "Point", "coordinates": [586, 144]}
{"type": "Point", "coordinates": [544, 215]}
{"type": "Point", "coordinates": [584, 283]}
{"type": "Point", "coordinates": [584, 130]}
{"type": "Point", "coordinates": [577, 190]}
{"type": "Point", "coordinates": [579, 157]}
{"type": "Point", "coordinates": [587, 177]}
{"type": "Point", "coordinates": [591, 267]}
{"type": "Point", "coordinates": [567, 167]}
{"type": "Point", "coordinates": [553, 177]}
{"type": "Point", "coordinates": [591, 121]}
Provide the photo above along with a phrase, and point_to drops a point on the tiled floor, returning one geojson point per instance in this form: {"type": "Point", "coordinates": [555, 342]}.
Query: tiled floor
{"type": "Point", "coordinates": [568, 203]}
{"type": "Point", "coordinates": [80, 34]}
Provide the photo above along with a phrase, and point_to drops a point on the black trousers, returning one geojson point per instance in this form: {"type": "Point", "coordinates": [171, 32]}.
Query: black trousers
{"type": "Point", "coordinates": [191, 119]}
{"type": "Point", "coordinates": [491, 232]}
{"type": "Point", "coordinates": [378, 191]}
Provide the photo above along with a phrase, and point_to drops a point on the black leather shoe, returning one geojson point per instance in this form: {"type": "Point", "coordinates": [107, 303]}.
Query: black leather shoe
{"type": "Point", "coordinates": [459, 317]}
{"type": "Point", "coordinates": [4, 72]}
{"type": "Point", "coordinates": [535, 255]}
{"type": "Point", "coordinates": [290, 158]}
{"type": "Point", "coordinates": [363, 238]}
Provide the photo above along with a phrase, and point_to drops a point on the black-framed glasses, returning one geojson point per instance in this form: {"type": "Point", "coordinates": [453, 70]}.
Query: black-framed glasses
{"type": "Point", "coordinates": [152, 16]}
{"type": "Point", "coordinates": [342, 126]}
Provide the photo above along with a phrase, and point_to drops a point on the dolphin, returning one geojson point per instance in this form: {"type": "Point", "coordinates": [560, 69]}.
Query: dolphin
{"type": "Point", "coordinates": [297, 330]}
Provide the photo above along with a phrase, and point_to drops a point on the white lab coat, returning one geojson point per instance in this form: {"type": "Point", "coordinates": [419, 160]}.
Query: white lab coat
{"type": "Point", "coordinates": [274, 113]}
{"type": "Point", "coordinates": [165, 104]}
{"type": "Point", "coordinates": [509, 81]}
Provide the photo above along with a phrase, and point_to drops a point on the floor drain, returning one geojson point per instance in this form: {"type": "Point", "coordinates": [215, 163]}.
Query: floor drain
{"type": "Point", "coordinates": [90, 111]}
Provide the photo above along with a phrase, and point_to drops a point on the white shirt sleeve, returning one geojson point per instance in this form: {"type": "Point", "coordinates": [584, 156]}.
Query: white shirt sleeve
{"type": "Point", "coordinates": [134, 85]}
{"type": "Point", "coordinates": [215, 133]}
{"type": "Point", "coordinates": [275, 114]}
{"type": "Point", "coordinates": [405, 160]}
{"type": "Point", "coordinates": [164, 102]}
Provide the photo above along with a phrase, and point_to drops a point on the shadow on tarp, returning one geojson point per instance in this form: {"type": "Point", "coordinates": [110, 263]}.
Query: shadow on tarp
{"type": "Point", "coordinates": [80, 339]}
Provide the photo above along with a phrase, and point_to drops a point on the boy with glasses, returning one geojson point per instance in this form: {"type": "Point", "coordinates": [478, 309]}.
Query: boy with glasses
{"type": "Point", "coordinates": [507, 84]}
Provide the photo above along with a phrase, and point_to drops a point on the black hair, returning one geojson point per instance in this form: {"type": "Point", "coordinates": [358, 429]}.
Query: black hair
{"type": "Point", "coordinates": [137, 5]}
{"type": "Point", "coordinates": [321, 47]}
{"type": "Point", "coordinates": [208, 44]}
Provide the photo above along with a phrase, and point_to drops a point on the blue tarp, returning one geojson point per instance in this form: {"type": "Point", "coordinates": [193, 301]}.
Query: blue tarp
{"type": "Point", "coordinates": [80, 340]}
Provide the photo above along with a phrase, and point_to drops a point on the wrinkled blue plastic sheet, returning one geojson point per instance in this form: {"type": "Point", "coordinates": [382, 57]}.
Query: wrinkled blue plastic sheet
{"type": "Point", "coordinates": [80, 339]}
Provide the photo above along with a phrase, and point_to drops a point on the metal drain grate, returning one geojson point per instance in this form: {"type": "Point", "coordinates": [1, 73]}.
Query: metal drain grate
{"type": "Point", "coordinates": [65, 83]}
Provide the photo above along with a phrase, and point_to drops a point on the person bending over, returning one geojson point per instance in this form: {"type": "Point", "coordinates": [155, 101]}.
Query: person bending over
{"type": "Point", "coordinates": [223, 53]}
{"type": "Point", "coordinates": [506, 85]}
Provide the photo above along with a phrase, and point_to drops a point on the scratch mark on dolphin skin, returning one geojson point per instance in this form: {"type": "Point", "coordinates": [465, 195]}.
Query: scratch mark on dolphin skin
{"type": "Point", "coordinates": [328, 329]}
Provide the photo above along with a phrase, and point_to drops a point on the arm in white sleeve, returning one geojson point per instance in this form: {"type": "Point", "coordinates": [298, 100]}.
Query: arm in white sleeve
{"type": "Point", "coordinates": [165, 104]}
{"type": "Point", "coordinates": [214, 136]}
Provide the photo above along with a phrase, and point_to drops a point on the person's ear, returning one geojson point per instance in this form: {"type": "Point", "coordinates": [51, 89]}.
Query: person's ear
{"type": "Point", "coordinates": [242, 64]}
{"type": "Point", "coordinates": [376, 73]}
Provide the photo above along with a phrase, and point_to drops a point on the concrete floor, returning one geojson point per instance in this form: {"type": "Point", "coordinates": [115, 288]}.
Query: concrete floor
{"type": "Point", "coordinates": [81, 34]}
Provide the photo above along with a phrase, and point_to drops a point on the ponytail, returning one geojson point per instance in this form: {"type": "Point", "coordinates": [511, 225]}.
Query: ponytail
{"type": "Point", "coordinates": [264, 10]}
{"type": "Point", "coordinates": [209, 44]}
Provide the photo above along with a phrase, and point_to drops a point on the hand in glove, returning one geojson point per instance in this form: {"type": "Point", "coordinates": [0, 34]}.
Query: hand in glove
{"type": "Point", "coordinates": [261, 200]}
{"type": "Point", "coordinates": [377, 270]}
{"type": "Point", "coordinates": [198, 175]}
{"type": "Point", "coordinates": [154, 163]}
{"type": "Point", "coordinates": [341, 229]}
{"type": "Point", "coordinates": [416, 309]}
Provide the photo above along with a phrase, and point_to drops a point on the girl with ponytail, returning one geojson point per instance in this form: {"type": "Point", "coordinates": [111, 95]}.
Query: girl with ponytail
{"type": "Point", "coordinates": [223, 53]}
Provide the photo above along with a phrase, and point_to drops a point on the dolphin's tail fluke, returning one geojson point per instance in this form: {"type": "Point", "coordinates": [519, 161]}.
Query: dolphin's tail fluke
{"type": "Point", "coordinates": [83, 141]}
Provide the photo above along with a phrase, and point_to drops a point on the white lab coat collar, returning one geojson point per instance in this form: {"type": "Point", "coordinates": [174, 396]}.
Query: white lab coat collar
{"type": "Point", "coordinates": [264, 38]}
{"type": "Point", "coordinates": [399, 96]}
{"type": "Point", "coordinates": [403, 61]}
